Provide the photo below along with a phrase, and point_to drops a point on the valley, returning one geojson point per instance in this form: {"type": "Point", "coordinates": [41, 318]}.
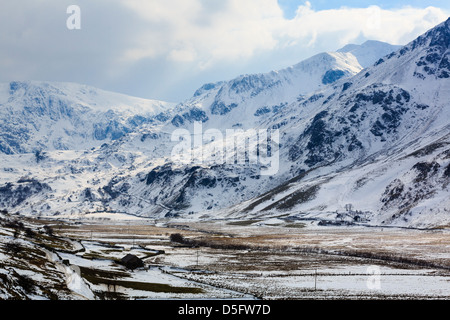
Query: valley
{"type": "Point", "coordinates": [226, 259]}
{"type": "Point", "coordinates": [347, 199]}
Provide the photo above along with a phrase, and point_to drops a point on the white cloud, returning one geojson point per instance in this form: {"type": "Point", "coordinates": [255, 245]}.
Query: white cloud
{"type": "Point", "coordinates": [187, 54]}
{"type": "Point", "coordinates": [347, 24]}
{"type": "Point", "coordinates": [197, 31]}
{"type": "Point", "coordinates": [238, 30]}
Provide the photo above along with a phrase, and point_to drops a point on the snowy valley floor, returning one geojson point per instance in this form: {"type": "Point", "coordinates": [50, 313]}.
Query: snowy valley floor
{"type": "Point", "coordinates": [223, 259]}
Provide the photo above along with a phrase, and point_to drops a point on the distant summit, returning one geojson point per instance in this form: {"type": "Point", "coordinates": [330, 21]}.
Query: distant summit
{"type": "Point", "coordinates": [370, 51]}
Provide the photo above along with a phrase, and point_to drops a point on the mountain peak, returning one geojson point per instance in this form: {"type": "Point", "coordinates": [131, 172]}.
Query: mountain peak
{"type": "Point", "coordinates": [370, 51]}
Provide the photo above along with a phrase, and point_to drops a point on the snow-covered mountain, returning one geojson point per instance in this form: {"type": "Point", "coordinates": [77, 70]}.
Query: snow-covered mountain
{"type": "Point", "coordinates": [370, 51]}
{"type": "Point", "coordinates": [47, 116]}
{"type": "Point", "coordinates": [376, 138]}
{"type": "Point", "coordinates": [378, 141]}
{"type": "Point", "coordinates": [262, 95]}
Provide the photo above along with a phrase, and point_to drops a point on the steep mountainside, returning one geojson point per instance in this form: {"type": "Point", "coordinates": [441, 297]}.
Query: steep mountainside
{"type": "Point", "coordinates": [379, 141]}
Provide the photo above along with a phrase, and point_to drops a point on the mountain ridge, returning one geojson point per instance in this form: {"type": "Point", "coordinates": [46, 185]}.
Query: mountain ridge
{"type": "Point", "coordinates": [305, 77]}
{"type": "Point", "coordinates": [65, 116]}
{"type": "Point", "coordinates": [377, 139]}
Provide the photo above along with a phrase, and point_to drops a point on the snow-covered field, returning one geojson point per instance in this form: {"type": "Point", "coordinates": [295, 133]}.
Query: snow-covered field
{"type": "Point", "coordinates": [324, 262]}
{"type": "Point", "coordinates": [36, 265]}
{"type": "Point", "coordinates": [225, 260]}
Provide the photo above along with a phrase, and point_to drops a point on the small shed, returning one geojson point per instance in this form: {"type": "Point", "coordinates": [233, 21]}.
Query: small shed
{"type": "Point", "coordinates": [132, 262]}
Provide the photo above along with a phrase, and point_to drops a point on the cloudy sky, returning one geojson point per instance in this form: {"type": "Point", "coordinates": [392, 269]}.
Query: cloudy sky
{"type": "Point", "coordinates": [166, 49]}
